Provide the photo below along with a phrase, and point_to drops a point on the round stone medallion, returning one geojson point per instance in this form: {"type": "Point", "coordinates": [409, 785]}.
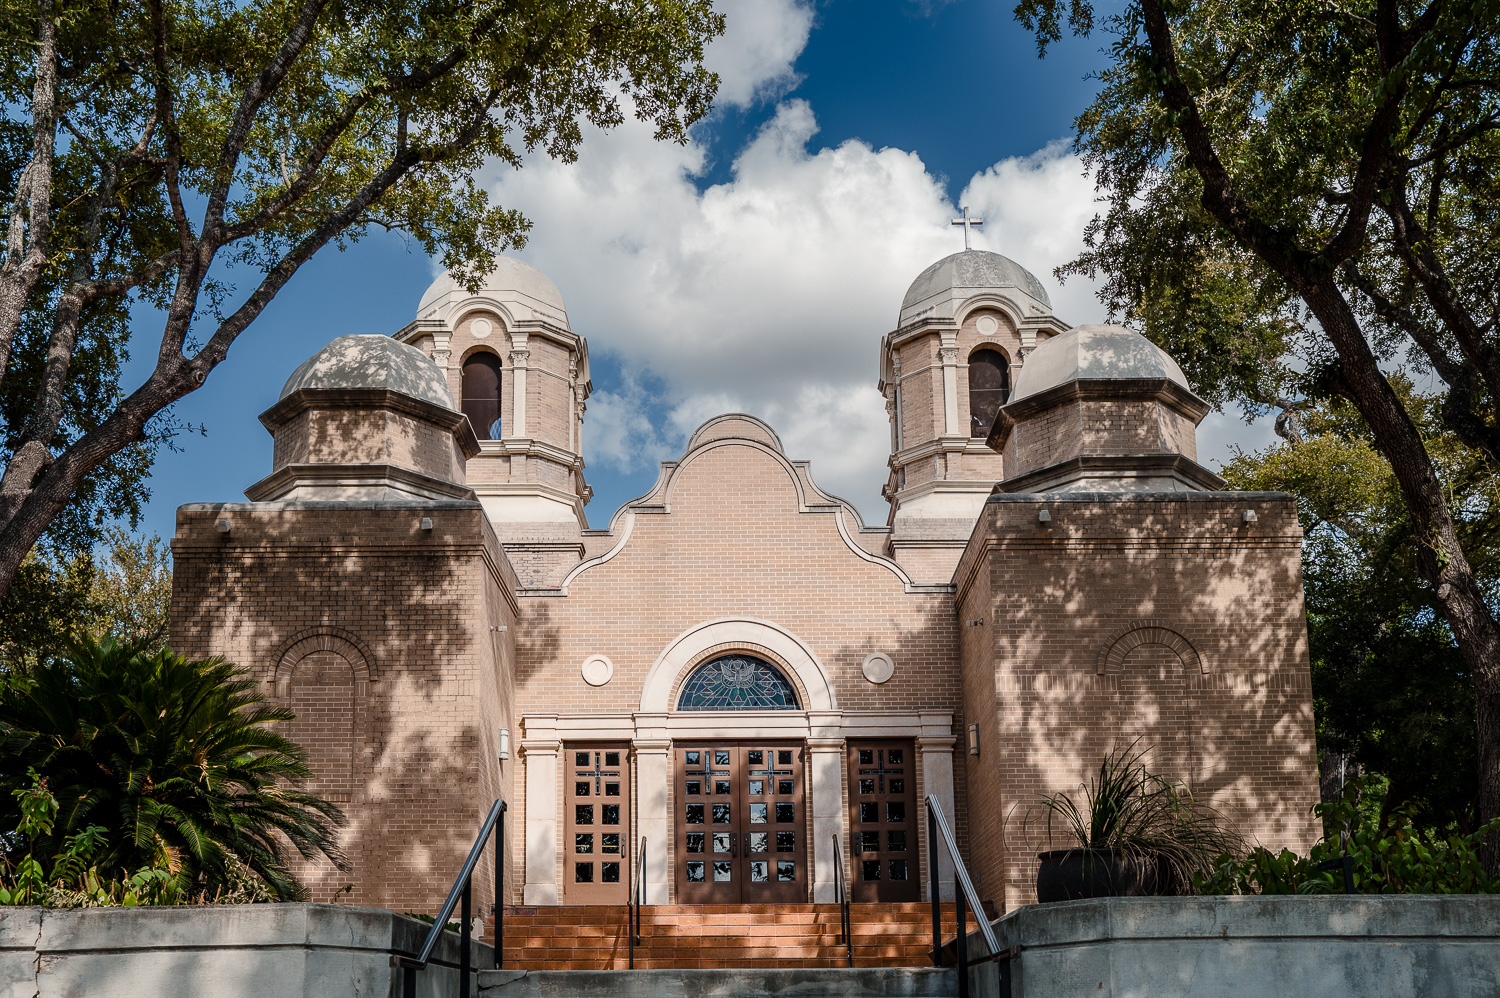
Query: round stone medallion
{"type": "Point", "coordinates": [986, 325]}
{"type": "Point", "coordinates": [597, 670]}
{"type": "Point", "coordinates": [878, 667]}
{"type": "Point", "coordinates": [481, 328]}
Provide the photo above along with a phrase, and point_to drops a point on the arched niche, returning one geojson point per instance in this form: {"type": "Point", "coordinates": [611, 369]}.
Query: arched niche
{"type": "Point", "coordinates": [323, 677]}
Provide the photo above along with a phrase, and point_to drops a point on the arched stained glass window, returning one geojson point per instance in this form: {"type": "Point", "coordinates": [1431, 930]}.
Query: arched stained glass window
{"type": "Point", "coordinates": [737, 682]}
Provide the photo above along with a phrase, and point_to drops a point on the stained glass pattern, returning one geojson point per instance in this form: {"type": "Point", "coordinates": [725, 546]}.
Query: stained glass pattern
{"type": "Point", "coordinates": [737, 682]}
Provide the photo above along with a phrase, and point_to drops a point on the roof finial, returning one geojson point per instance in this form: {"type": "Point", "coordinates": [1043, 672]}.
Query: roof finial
{"type": "Point", "coordinates": [966, 222]}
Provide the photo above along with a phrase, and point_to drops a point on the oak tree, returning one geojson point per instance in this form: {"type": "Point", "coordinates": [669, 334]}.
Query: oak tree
{"type": "Point", "coordinates": [1301, 201]}
{"type": "Point", "coordinates": [182, 159]}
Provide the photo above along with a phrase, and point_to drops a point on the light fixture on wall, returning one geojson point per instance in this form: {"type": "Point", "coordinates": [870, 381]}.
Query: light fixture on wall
{"type": "Point", "coordinates": [504, 752]}
{"type": "Point", "coordinates": [974, 739]}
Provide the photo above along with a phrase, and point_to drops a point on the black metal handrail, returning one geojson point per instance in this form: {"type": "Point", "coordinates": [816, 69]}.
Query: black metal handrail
{"type": "Point", "coordinates": [845, 935]}
{"type": "Point", "coordinates": [494, 826]}
{"type": "Point", "coordinates": [633, 903]}
{"type": "Point", "coordinates": [963, 889]}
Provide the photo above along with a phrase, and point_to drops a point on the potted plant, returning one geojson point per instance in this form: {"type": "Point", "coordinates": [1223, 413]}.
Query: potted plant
{"type": "Point", "coordinates": [1134, 833]}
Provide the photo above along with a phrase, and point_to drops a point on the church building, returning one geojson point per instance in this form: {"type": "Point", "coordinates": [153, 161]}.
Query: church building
{"type": "Point", "coordinates": [737, 683]}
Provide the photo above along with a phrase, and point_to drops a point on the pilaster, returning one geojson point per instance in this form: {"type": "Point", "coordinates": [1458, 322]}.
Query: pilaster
{"type": "Point", "coordinates": [539, 749]}
{"type": "Point", "coordinates": [948, 351]}
{"type": "Point", "coordinates": [935, 756]}
{"type": "Point", "coordinates": [653, 770]}
{"type": "Point", "coordinates": [518, 355]}
{"type": "Point", "coordinates": [825, 748]}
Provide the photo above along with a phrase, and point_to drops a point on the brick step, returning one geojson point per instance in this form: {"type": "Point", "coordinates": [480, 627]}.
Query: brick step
{"type": "Point", "coordinates": [593, 937]}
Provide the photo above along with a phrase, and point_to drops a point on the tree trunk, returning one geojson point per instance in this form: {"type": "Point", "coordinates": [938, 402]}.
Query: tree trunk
{"type": "Point", "coordinates": [1441, 560]}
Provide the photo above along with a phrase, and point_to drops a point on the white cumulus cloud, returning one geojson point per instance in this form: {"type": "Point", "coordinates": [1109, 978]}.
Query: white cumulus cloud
{"type": "Point", "coordinates": [769, 293]}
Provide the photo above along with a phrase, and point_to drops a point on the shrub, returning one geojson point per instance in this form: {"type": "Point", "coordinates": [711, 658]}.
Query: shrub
{"type": "Point", "coordinates": [1130, 810]}
{"type": "Point", "coordinates": [1394, 858]}
{"type": "Point", "coordinates": [176, 761]}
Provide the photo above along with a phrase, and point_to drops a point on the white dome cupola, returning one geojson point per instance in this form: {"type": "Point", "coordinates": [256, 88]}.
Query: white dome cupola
{"type": "Point", "coordinates": [521, 376]}
{"type": "Point", "coordinates": [962, 334]}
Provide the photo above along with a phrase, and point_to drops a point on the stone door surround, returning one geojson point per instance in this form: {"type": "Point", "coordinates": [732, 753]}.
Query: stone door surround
{"type": "Point", "coordinates": [651, 737]}
{"type": "Point", "coordinates": [656, 726]}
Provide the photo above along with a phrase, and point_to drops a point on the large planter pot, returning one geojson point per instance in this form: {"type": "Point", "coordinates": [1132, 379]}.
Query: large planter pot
{"type": "Point", "coordinates": [1071, 874]}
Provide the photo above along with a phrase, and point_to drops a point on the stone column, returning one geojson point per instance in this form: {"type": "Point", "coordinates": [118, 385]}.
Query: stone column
{"type": "Point", "coordinates": [441, 356]}
{"type": "Point", "coordinates": [935, 753]}
{"type": "Point", "coordinates": [948, 350]}
{"type": "Point", "coordinates": [900, 440]}
{"type": "Point", "coordinates": [653, 770]}
{"type": "Point", "coordinates": [539, 748]}
{"type": "Point", "coordinates": [518, 355]}
{"type": "Point", "coordinates": [825, 747]}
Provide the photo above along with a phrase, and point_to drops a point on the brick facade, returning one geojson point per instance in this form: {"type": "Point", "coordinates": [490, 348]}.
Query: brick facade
{"type": "Point", "coordinates": [407, 632]}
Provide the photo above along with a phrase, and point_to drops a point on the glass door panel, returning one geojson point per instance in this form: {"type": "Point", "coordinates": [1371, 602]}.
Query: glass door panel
{"type": "Point", "coordinates": [882, 821]}
{"type": "Point", "coordinates": [740, 823]}
{"type": "Point", "coordinates": [596, 844]}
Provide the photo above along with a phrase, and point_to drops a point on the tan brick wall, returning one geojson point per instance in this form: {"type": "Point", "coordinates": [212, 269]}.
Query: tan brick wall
{"type": "Point", "coordinates": [548, 392]}
{"type": "Point", "coordinates": [417, 607]}
{"type": "Point", "coordinates": [1098, 426]}
{"type": "Point", "coordinates": [735, 545]}
{"type": "Point", "coordinates": [1231, 709]}
{"type": "Point", "coordinates": [368, 436]}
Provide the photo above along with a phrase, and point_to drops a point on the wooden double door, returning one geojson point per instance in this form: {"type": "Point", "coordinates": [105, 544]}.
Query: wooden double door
{"type": "Point", "coordinates": [741, 822]}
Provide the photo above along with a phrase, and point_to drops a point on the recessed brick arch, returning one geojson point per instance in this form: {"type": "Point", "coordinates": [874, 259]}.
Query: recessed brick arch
{"type": "Point", "coordinates": [1147, 632]}
{"type": "Point", "coordinates": [323, 677]}
{"type": "Point", "coordinates": [316, 639]}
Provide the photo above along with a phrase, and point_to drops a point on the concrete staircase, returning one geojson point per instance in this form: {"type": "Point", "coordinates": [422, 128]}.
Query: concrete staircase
{"type": "Point", "coordinates": [703, 937]}
{"type": "Point", "coordinates": [887, 982]}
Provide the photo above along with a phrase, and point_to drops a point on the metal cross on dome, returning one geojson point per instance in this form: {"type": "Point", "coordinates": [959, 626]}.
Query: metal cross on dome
{"type": "Point", "coordinates": [966, 222]}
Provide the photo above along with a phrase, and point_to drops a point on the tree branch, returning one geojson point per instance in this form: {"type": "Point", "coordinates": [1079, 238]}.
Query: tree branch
{"type": "Point", "coordinates": [265, 84]}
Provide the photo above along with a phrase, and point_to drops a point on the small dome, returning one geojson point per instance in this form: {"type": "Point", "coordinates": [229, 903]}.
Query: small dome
{"type": "Point", "coordinates": [372, 361]}
{"type": "Point", "coordinates": [1094, 352]}
{"type": "Point", "coordinates": [511, 279]}
{"type": "Point", "coordinates": [973, 269]}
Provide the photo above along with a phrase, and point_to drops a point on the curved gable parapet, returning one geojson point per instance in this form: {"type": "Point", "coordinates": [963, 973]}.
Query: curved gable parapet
{"type": "Point", "coordinates": [735, 426]}
{"type": "Point", "coordinates": [738, 430]}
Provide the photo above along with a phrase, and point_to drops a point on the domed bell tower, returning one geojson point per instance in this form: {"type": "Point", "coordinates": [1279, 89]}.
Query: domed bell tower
{"type": "Point", "coordinates": [521, 376]}
{"type": "Point", "coordinates": [965, 327]}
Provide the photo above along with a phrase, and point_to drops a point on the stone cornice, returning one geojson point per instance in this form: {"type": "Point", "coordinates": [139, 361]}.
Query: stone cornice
{"type": "Point", "coordinates": [278, 483]}
{"type": "Point", "coordinates": [1176, 466]}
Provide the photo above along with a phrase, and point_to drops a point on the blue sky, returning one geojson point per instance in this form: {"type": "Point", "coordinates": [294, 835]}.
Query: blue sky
{"type": "Point", "coordinates": [847, 133]}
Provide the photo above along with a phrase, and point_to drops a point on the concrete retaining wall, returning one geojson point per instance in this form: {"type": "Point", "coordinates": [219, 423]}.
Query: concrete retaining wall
{"type": "Point", "coordinates": [1328, 946]}
{"type": "Point", "coordinates": [240, 951]}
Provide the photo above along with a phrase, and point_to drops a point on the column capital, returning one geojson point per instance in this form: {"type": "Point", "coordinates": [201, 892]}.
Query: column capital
{"type": "Point", "coordinates": [540, 747]}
